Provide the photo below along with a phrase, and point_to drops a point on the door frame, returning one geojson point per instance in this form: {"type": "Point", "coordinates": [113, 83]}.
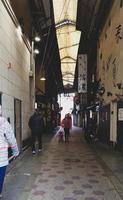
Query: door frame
{"type": "Point", "coordinates": [113, 122]}
{"type": "Point", "coordinates": [20, 136]}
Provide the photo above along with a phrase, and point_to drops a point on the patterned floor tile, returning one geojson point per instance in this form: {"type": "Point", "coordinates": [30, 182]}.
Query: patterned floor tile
{"type": "Point", "coordinates": [70, 171]}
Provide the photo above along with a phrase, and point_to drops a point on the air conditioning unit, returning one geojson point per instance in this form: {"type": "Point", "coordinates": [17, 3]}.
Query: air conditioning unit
{"type": "Point", "coordinates": [31, 74]}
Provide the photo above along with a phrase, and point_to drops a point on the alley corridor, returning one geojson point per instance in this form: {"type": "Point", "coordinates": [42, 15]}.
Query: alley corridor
{"type": "Point", "coordinates": [63, 171]}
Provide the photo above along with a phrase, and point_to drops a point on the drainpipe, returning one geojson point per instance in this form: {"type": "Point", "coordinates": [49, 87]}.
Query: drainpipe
{"type": "Point", "coordinates": [32, 78]}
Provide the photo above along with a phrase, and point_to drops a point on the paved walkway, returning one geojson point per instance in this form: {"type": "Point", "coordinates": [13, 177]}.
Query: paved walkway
{"type": "Point", "coordinates": [64, 171]}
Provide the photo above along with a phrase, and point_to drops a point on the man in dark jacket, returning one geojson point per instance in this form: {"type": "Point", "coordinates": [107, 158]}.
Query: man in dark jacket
{"type": "Point", "coordinates": [36, 124]}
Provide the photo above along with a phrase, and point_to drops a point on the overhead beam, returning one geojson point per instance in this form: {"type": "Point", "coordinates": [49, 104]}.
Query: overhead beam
{"type": "Point", "coordinates": [68, 57]}
{"type": "Point", "coordinates": [66, 47]}
{"type": "Point", "coordinates": [68, 62]}
{"type": "Point", "coordinates": [65, 22]}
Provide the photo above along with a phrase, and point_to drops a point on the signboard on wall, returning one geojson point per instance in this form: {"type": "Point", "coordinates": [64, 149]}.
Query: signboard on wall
{"type": "Point", "coordinates": [120, 114]}
{"type": "Point", "coordinates": [82, 73]}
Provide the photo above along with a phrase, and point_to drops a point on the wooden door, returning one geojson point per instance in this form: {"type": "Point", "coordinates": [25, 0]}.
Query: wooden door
{"type": "Point", "coordinates": [17, 120]}
{"type": "Point", "coordinates": [113, 122]}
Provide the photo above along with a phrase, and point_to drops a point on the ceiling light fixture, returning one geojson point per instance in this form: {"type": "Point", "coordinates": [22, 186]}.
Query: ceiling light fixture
{"type": "Point", "coordinates": [19, 33]}
{"type": "Point", "coordinates": [37, 38]}
{"type": "Point", "coordinates": [42, 79]}
{"type": "Point", "coordinates": [36, 51]}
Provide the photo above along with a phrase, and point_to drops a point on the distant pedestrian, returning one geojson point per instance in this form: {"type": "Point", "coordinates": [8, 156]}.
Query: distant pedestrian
{"type": "Point", "coordinates": [36, 124]}
{"type": "Point", "coordinates": [7, 139]}
{"type": "Point", "coordinates": [67, 125]}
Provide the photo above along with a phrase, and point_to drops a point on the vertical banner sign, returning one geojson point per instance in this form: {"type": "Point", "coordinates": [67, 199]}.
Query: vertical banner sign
{"type": "Point", "coordinates": [82, 73]}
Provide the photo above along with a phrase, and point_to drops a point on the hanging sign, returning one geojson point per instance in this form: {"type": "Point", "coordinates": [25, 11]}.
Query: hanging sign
{"type": "Point", "coordinates": [82, 73]}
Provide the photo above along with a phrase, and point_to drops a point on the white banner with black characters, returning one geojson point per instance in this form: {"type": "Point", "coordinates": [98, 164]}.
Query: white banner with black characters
{"type": "Point", "coordinates": [82, 73]}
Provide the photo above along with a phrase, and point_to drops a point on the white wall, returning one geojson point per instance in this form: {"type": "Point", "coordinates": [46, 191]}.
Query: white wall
{"type": "Point", "coordinates": [110, 54]}
{"type": "Point", "coordinates": [14, 81]}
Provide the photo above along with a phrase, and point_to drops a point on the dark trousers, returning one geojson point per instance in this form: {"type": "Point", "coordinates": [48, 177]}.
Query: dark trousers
{"type": "Point", "coordinates": [36, 135]}
{"type": "Point", "coordinates": [2, 176]}
{"type": "Point", "coordinates": [67, 132]}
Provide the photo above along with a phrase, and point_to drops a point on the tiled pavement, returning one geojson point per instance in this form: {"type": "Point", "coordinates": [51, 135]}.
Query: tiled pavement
{"type": "Point", "coordinates": [70, 171]}
{"type": "Point", "coordinates": [66, 171]}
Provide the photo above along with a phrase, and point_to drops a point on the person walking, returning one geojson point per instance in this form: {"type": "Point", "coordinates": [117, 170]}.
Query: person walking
{"type": "Point", "coordinates": [7, 139]}
{"type": "Point", "coordinates": [67, 125]}
{"type": "Point", "coordinates": [36, 124]}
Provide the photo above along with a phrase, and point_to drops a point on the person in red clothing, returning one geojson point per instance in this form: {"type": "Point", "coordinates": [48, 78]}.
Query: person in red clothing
{"type": "Point", "coordinates": [67, 125]}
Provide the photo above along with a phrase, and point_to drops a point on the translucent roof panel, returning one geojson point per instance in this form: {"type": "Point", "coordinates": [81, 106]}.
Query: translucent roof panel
{"type": "Point", "coordinates": [68, 37]}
